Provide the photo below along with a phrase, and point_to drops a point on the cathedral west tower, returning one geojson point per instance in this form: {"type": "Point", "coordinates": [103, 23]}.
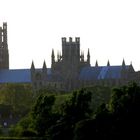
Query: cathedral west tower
{"type": "Point", "coordinates": [4, 54]}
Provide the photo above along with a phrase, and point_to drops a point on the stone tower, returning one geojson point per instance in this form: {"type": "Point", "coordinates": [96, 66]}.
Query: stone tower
{"type": "Point", "coordinates": [71, 52]}
{"type": "Point", "coordinates": [4, 54]}
{"type": "Point", "coordinates": [69, 64]}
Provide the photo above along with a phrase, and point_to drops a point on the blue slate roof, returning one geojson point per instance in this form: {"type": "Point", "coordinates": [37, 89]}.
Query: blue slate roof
{"type": "Point", "coordinates": [19, 75]}
{"type": "Point", "coordinates": [15, 76]}
{"type": "Point", "coordinates": [86, 73]}
{"type": "Point", "coordinates": [103, 72]}
{"type": "Point", "coordinates": [89, 73]}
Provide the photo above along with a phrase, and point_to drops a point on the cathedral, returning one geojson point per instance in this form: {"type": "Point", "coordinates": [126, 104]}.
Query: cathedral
{"type": "Point", "coordinates": [69, 71]}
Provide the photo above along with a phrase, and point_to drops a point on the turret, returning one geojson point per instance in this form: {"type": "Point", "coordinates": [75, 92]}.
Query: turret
{"type": "Point", "coordinates": [88, 57]}
{"type": "Point", "coordinates": [32, 70]}
{"type": "Point", "coordinates": [123, 63]}
{"type": "Point", "coordinates": [58, 56]}
{"type": "Point", "coordinates": [44, 70]}
{"type": "Point", "coordinates": [108, 63]}
{"type": "Point", "coordinates": [77, 40]}
{"type": "Point", "coordinates": [32, 66]}
{"type": "Point", "coordinates": [53, 57]}
{"type": "Point", "coordinates": [123, 71]}
{"type": "Point", "coordinates": [70, 39]}
{"type": "Point", "coordinates": [82, 56]}
{"type": "Point", "coordinates": [96, 64]}
{"type": "Point", "coordinates": [131, 69]}
{"type": "Point", "coordinates": [44, 65]}
{"type": "Point", "coordinates": [64, 40]}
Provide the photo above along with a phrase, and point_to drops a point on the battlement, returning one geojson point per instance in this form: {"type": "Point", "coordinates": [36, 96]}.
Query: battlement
{"type": "Point", "coordinates": [4, 25]}
{"type": "Point", "coordinates": [64, 40]}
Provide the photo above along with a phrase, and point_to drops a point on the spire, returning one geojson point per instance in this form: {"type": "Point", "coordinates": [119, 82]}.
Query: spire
{"type": "Point", "coordinates": [96, 64]}
{"type": "Point", "coordinates": [44, 65]}
{"type": "Point", "coordinates": [108, 63]}
{"type": "Point", "coordinates": [58, 56]}
{"type": "Point", "coordinates": [53, 56]}
{"type": "Point", "coordinates": [44, 70]}
{"type": "Point", "coordinates": [123, 63]}
{"type": "Point", "coordinates": [81, 55]}
{"type": "Point", "coordinates": [88, 56]}
{"type": "Point", "coordinates": [131, 69]}
{"type": "Point", "coordinates": [32, 65]}
{"type": "Point", "coordinates": [131, 65]}
{"type": "Point", "coordinates": [52, 52]}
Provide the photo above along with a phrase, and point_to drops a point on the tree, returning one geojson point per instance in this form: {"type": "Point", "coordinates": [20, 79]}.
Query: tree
{"type": "Point", "coordinates": [118, 120]}
{"type": "Point", "coordinates": [78, 107]}
{"type": "Point", "coordinates": [42, 114]}
{"type": "Point", "coordinates": [19, 96]}
{"type": "Point", "coordinates": [124, 105]}
{"type": "Point", "coordinates": [73, 110]}
{"type": "Point", "coordinates": [100, 95]}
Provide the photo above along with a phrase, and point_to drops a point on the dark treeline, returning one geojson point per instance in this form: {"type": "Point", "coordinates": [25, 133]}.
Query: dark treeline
{"type": "Point", "coordinates": [89, 113]}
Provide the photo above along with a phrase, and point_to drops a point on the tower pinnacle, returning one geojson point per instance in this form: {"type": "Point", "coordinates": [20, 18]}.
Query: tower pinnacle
{"type": "Point", "coordinates": [53, 56]}
{"type": "Point", "coordinates": [88, 56]}
{"type": "Point", "coordinates": [108, 63]}
{"type": "Point", "coordinates": [96, 64]}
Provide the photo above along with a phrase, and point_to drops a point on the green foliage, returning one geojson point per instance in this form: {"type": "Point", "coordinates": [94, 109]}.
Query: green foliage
{"type": "Point", "coordinates": [25, 123]}
{"type": "Point", "coordinates": [15, 130]}
{"type": "Point", "coordinates": [100, 95]}
{"type": "Point", "coordinates": [50, 90]}
{"type": "Point", "coordinates": [57, 116]}
{"type": "Point", "coordinates": [19, 96]}
{"type": "Point", "coordinates": [124, 98]}
{"type": "Point", "coordinates": [68, 116]}
{"type": "Point", "coordinates": [1, 132]}
{"type": "Point", "coordinates": [78, 106]}
{"type": "Point", "coordinates": [84, 130]}
{"type": "Point", "coordinates": [28, 133]}
{"type": "Point", "coordinates": [118, 120]}
{"type": "Point", "coordinates": [124, 105]}
{"type": "Point", "coordinates": [5, 110]}
{"type": "Point", "coordinates": [59, 100]}
{"type": "Point", "coordinates": [73, 110]}
{"type": "Point", "coordinates": [42, 113]}
{"type": "Point", "coordinates": [23, 128]}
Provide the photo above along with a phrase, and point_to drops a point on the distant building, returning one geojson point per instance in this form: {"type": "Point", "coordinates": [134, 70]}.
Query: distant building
{"type": "Point", "coordinates": [69, 71]}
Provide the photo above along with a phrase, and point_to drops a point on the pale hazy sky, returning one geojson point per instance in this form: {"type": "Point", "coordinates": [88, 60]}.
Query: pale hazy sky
{"type": "Point", "coordinates": [109, 28]}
